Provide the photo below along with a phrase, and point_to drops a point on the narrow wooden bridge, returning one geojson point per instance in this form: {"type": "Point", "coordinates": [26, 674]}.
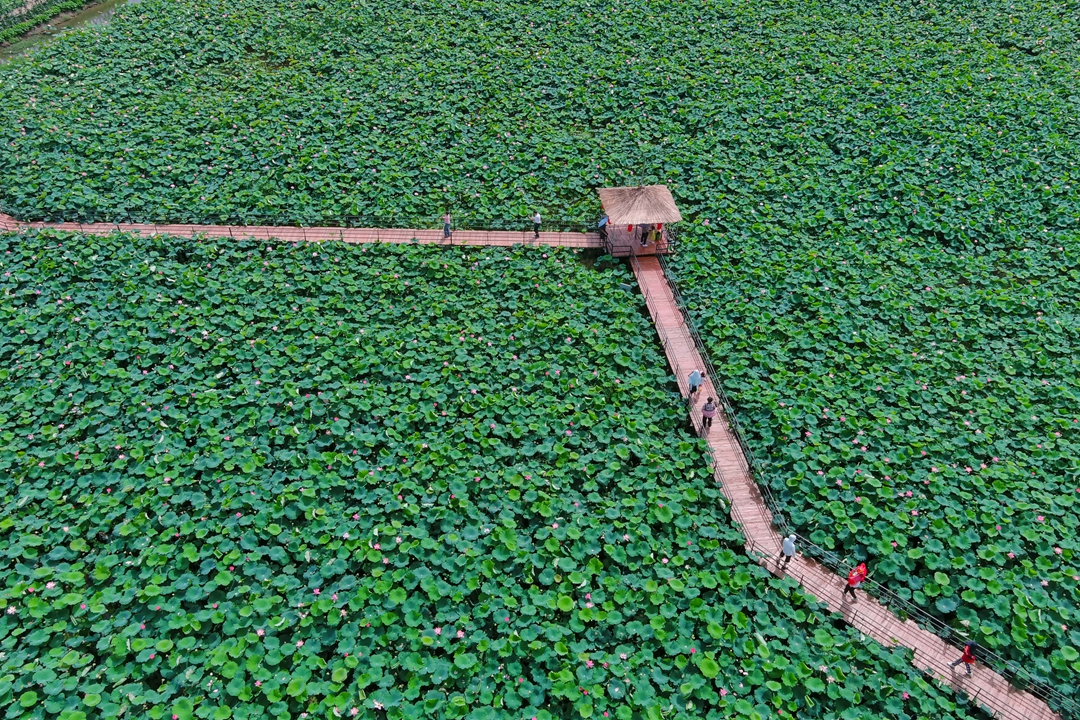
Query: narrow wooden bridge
{"type": "Point", "coordinates": [752, 514]}
{"type": "Point", "coordinates": [403, 236]}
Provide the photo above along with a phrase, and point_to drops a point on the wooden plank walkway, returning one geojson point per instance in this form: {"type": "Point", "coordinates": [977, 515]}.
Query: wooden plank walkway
{"type": "Point", "coordinates": [748, 508]}
{"type": "Point", "coordinates": [403, 236]}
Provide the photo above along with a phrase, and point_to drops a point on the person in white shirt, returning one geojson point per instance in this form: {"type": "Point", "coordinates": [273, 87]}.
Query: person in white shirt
{"type": "Point", "coordinates": [787, 550]}
{"type": "Point", "coordinates": [695, 380]}
{"type": "Point", "coordinates": [536, 225]}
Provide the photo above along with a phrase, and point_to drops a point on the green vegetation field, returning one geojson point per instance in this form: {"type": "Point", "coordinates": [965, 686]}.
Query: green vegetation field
{"type": "Point", "coordinates": [267, 479]}
{"type": "Point", "coordinates": [875, 196]}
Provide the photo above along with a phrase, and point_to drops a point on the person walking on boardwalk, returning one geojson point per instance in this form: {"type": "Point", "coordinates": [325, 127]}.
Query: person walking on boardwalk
{"type": "Point", "coordinates": [854, 580]}
{"type": "Point", "coordinates": [708, 412]}
{"type": "Point", "coordinates": [787, 550]}
{"type": "Point", "coordinates": [446, 225]}
{"type": "Point", "coordinates": [968, 657]}
{"type": "Point", "coordinates": [695, 380]}
{"type": "Point", "coordinates": [536, 225]}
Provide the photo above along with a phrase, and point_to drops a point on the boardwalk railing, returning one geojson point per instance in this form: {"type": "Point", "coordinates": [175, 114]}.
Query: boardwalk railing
{"type": "Point", "coordinates": [1012, 671]}
{"type": "Point", "coordinates": [1017, 675]}
{"type": "Point", "coordinates": [292, 220]}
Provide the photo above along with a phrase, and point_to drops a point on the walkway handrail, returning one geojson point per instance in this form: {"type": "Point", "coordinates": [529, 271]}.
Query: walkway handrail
{"type": "Point", "coordinates": [1012, 671]}
{"type": "Point", "coordinates": [736, 429]}
{"type": "Point", "coordinates": [458, 221]}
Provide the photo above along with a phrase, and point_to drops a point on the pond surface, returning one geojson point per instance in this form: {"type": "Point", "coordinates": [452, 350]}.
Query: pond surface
{"type": "Point", "coordinates": [97, 14]}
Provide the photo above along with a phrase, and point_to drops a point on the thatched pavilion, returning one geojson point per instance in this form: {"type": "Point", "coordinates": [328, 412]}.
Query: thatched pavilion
{"type": "Point", "coordinates": [637, 219]}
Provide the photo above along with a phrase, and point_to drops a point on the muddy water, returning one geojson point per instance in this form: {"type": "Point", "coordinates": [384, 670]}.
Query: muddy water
{"type": "Point", "coordinates": [98, 14]}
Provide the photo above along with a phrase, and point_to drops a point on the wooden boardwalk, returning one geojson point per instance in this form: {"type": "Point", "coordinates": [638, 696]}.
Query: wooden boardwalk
{"type": "Point", "coordinates": [283, 233]}
{"type": "Point", "coordinates": [748, 508]}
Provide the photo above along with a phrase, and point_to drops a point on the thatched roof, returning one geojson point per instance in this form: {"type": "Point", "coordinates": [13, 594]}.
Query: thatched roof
{"type": "Point", "coordinates": [639, 205]}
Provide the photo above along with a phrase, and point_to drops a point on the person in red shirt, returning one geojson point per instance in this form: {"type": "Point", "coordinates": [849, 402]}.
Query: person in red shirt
{"type": "Point", "coordinates": [968, 657]}
{"type": "Point", "coordinates": [854, 580]}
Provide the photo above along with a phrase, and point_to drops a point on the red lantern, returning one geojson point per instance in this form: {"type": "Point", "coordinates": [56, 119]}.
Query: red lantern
{"type": "Point", "coordinates": [659, 226]}
{"type": "Point", "coordinates": [629, 228]}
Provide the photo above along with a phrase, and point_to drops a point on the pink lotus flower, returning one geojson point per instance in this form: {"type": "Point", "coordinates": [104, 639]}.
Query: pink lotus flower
{"type": "Point", "coordinates": [438, 631]}
{"type": "Point", "coordinates": [299, 643]}
{"type": "Point", "coordinates": [906, 696]}
{"type": "Point", "coordinates": [723, 692]}
{"type": "Point", "coordinates": [461, 633]}
{"type": "Point", "coordinates": [260, 632]}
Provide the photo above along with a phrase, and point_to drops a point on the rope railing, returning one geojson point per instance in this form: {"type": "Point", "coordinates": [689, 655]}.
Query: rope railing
{"type": "Point", "coordinates": [903, 608]}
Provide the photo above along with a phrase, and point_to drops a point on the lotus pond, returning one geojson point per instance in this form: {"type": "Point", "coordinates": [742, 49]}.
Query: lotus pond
{"type": "Point", "coordinates": [915, 405]}
{"type": "Point", "coordinates": [269, 480]}
{"type": "Point", "coordinates": [789, 132]}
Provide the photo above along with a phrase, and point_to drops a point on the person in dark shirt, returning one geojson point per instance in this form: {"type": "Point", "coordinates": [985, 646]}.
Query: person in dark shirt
{"type": "Point", "coordinates": [708, 412]}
